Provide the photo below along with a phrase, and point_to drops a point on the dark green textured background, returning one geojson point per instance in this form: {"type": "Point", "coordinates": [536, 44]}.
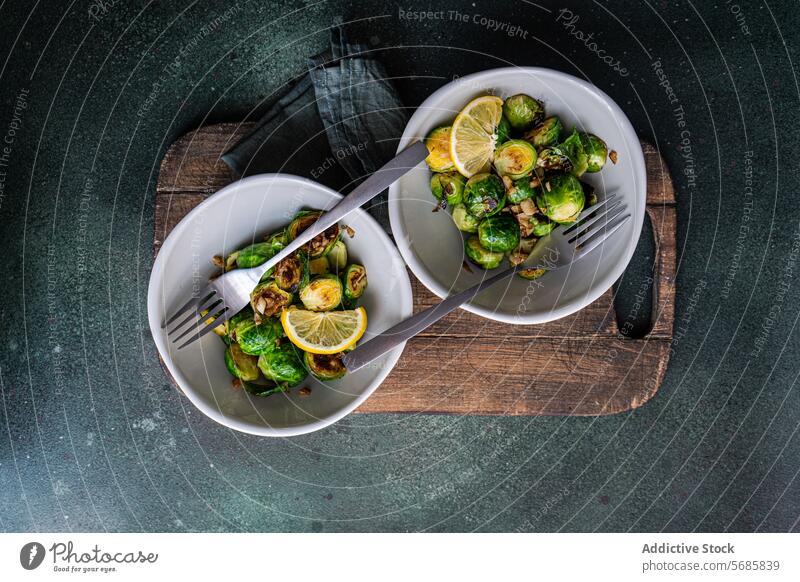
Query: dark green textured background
{"type": "Point", "coordinates": [92, 437]}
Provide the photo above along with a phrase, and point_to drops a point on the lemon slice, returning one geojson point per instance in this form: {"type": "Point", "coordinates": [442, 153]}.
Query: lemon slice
{"type": "Point", "coordinates": [324, 332]}
{"type": "Point", "coordinates": [474, 135]}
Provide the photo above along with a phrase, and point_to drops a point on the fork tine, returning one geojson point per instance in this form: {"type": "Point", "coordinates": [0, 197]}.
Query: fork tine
{"type": "Point", "coordinates": [213, 301]}
{"type": "Point", "coordinates": [207, 292]}
{"type": "Point", "coordinates": [592, 228]}
{"type": "Point", "coordinates": [589, 211]}
{"type": "Point", "coordinates": [583, 227]}
{"type": "Point", "coordinates": [199, 322]}
{"type": "Point", "coordinates": [222, 318]}
{"type": "Point", "coordinates": [602, 235]}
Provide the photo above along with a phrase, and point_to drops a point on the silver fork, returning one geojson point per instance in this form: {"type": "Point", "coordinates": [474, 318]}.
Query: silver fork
{"type": "Point", "coordinates": [565, 245]}
{"type": "Point", "coordinates": [228, 294]}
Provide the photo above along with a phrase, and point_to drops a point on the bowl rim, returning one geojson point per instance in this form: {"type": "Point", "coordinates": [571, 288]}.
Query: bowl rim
{"type": "Point", "coordinates": [601, 284]}
{"type": "Point", "coordinates": [405, 299]}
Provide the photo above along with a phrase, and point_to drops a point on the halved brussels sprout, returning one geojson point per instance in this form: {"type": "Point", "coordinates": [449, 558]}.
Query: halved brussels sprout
{"type": "Point", "coordinates": [561, 198]}
{"type": "Point", "coordinates": [522, 251]}
{"type": "Point", "coordinates": [499, 233]}
{"type": "Point", "coordinates": [256, 254]}
{"type": "Point", "coordinates": [240, 364]}
{"type": "Point", "coordinates": [572, 147]}
{"type": "Point", "coordinates": [480, 256]}
{"type": "Point", "coordinates": [465, 222]}
{"type": "Point", "coordinates": [355, 281]}
{"type": "Point", "coordinates": [438, 144]}
{"type": "Point", "coordinates": [282, 365]}
{"type": "Point", "coordinates": [531, 274]}
{"type": "Point", "coordinates": [484, 195]}
{"type": "Point", "coordinates": [553, 159]}
{"type": "Point", "coordinates": [256, 339]}
{"type": "Point", "coordinates": [541, 225]}
{"type": "Point", "coordinates": [301, 221]}
{"type": "Point", "coordinates": [523, 111]}
{"type": "Point", "coordinates": [520, 190]}
{"type": "Point", "coordinates": [337, 258]}
{"type": "Point", "coordinates": [596, 152]}
{"type": "Point", "coordinates": [287, 273]}
{"type": "Point", "coordinates": [448, 186]}
{"type": "Point", "coordinates": [267, 299]}
{"type": "Point", "coordinates": [503, 131]}
{"type": "Point", "coordinates": [279, 237]}
{"type": "Point", "coordinates": [319, 266]}
{"type": "Point", "coordinates": [515, 158]}
{"type": "Point", "coordinates": [321, 244]}
{"type": "Point", "coordinates": [547, 133]}
{"type": "Point", "coordinates": [322, 293]}
{"type": "Point", "coordinates": [325, 367]}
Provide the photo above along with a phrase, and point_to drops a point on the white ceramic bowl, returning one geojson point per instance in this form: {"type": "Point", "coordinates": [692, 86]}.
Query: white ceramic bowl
{"type": "Point", "coordinates": [228, 220]}
{"type": "Point", "coordinates": [433, 247]}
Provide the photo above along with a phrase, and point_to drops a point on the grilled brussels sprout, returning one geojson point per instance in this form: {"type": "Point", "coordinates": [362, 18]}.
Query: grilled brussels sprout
{"type": "Point", "coordinates": [325, 367]}
{"type": "Point", "coordinates": [484, 195]}
{"type": "Point", "coordinates": [523, 111]}
{"type": "Point", "coordinates": [541, 226]}
{"type": "Point", "coordinates": [522, 251]}
{"type": "Point", "coordinates": [531, 274]}
{"type": "Point", "coordinates": [520, 190]}
{"type": "Point", "coordinates": [546, 134]}
{"type": "Point", "coordinates": [320, 244]}
{"type": "Point", "coordinates": [480, 256]}
{"type": "Point", "coordinates": [355, 281]}
{"type": "Point", "coordinates": [337, 258]}
{"type": "Point", "coordinates": [301, 221]}
{"type": "Point", "coordinates": [448, 186]}
{"type": "Point", "coordinates": [322, 293]}
{"type": "Point", "coordinates": [499, 233]}
{"type": "Point", "coordinates": [596, 152]}
{"type": "Point", "coordinates": [572, 147]}
{"type": "Point", "coordinates": [503, 131]}
{"type": "Point", "coordinates": [268, 299]}
{"type": "Point", "coordinates": [319, 266]}
{"type": "Point", "coordinates": [561, 198]}
{"type": "Point", "coordinates": [515, 158]}
{"type": "Point", "coordinates": [438, 144]}
{"type": "Point", "coordinates": [283, 365]}
{"type": "Point", "coordinates": [553, 159]}
{"type": "Point", "coordinates": [287, 273]}
{"type": "Point", "coordinates": [240, 364]}
{"type": "Point", "coordinates": [257, 338]}
{"type": "Point", "coordinates": [465, 222]}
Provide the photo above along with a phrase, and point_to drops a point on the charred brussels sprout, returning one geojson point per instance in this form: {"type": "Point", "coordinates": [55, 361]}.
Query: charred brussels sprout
{"type": "Point", "coordinates": [520, 190]}
{"type": "Point", "coordinates": [499, 233]}
{"type": "Point", "coordinates": [283, 365]}
{"type": "Point", "coordinates": [325, 367]}
{"type": "Point", "coordinates": [256, 339]}
{"type": "Point", "coordinates": [546, 134]}
{"type": "Point", "coordinates": [267, 299]}
{"type": "Point", "coordinates": [319, 245]}
{"type": "Point", "coordinates": [503, 131]}
{"type": "Point", "coordinates": [541, 226]}
{"type": "Point", "coordinates": [322, 293]}
{"type": "Point", "coordinates": [355, 281]}
{"type": "Point", "coordinates": [531, 274]}
{"type": "Point", "coordinates": [448, 187]}
{"type": "Point", "coordinates": [553, 160]}
{"type": "Point", "coordinates": [438, 144]}
{"type": "Point", "coordinates": [287, 273]}
{"type": "Point", "coordinates": [337, 258]}
{"type": "Point", "coordinates": [484, 195]}
{"type": "Point", "coordinates": [465, 222]}
{"type": "Point", "coordinates": [596, 152]}
{"type": "Point", "coordinates": [301, 221]}
{"type": "Point", "coordinates": [523, 111]}
{"type": "Point", "coordinates": [515, 159]}
{"type": "Point", "coordinates": [481, 256]}
{"type": "Point", "coordinates": [240, 364]}
{"type": "Point", "coordinates": [522, 251]}
{"type": "Point", "coordinates": [561, 198]}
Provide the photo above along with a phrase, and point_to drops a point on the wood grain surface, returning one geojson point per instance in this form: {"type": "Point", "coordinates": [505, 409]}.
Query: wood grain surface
{"type": "Point", "coordinates": [464, 364]}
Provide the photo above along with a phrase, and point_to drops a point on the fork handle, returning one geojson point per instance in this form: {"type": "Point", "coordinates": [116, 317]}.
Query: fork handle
{"type": "Point", "coordinates": [384, 177]}
{"type": "Point", "coordinates": [408, 328]}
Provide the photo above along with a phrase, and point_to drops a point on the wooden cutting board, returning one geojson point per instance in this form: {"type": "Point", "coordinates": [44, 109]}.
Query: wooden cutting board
{"type": "Point", "coordinates": [464, 364]}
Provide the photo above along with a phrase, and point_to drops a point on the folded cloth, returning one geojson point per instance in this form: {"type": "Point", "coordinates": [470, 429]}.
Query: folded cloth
{"type": "Point", "coordinates": [336, 125]}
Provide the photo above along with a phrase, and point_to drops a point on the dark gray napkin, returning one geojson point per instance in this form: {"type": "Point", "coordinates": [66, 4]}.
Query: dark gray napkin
{"type": "Point", "coordinates": [337, 125]}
